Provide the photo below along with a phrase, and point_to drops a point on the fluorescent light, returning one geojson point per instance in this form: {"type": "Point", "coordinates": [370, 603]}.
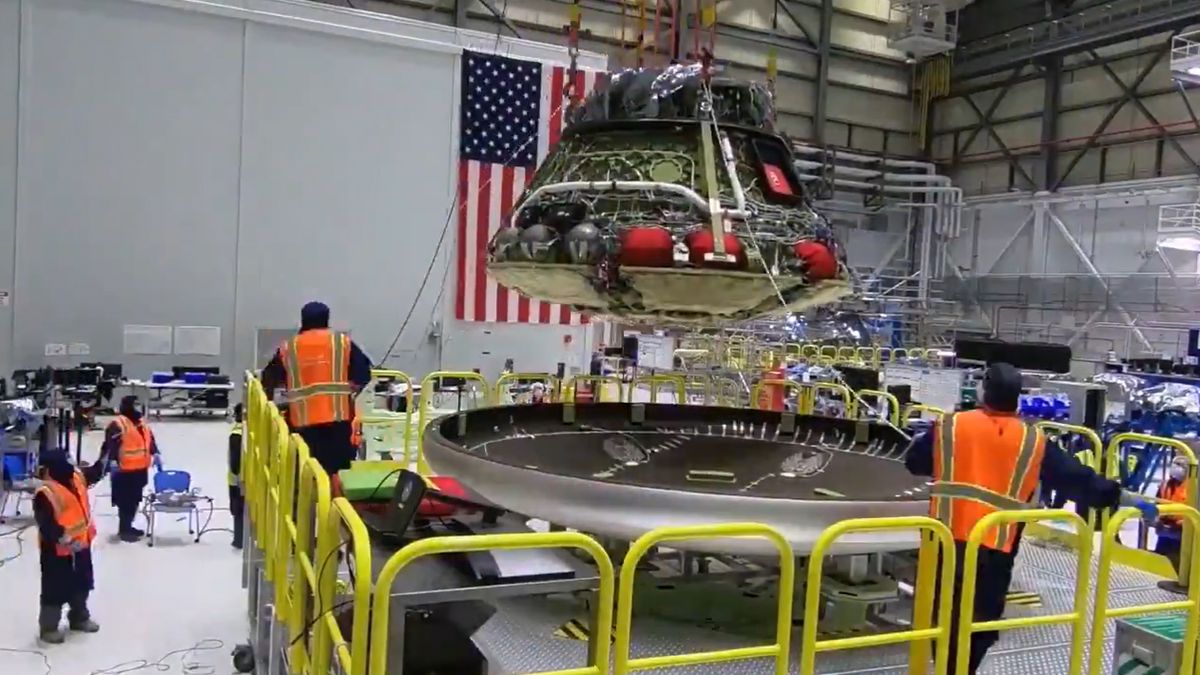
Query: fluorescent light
{"type": "Point", "coordinates": [1194, 71]}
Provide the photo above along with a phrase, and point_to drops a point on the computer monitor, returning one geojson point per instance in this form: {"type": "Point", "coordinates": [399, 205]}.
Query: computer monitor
{"type": "Point", "coordinates": [178, 371]}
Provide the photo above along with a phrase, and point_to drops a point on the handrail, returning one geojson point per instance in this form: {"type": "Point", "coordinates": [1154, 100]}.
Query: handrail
{"type": "Point", "coordinates": [810, 350]}
{"type": "Point", "coordinates": [601, 628]}
{"type": "Point", "coordinates": [1112, 458]}
{"type": "Point", "coordinates": [427, 396]}
{"type": "Point", "coordinates": [847, 354]}
{"type": "Point", "coordinates": [285, 533]}
{"type": "Point", "coordinates": [868, 355]}
{"type": "Point", "coordinates": [353, 656]}
{"type": "Point", "coordinates": [893, 404]}
{"type": "Point", "coordinates": [850, 406]}
{"type": "Point", "coordinates": [313, 500]}
{"type": "Point", "coordinates": [408, 403]}
{"type": "Point", "coordinates": [756, 392]}
{"type": "Point", "coordinates": [810, 646]}
{"type": "Point", "coordinates": [937, 412]}
{"type": "Point", "coordinates": [508, 378]}
{"type": "Point", "coordinates": [1089, 434]}
{"type": "Point", "coordinates": [1104, 578]}
{"type": "Point", "coordinates": [655, 382]}
{"type": "Point", "coordinates": [598, 382]}
{"type": "Point", "coordinates": [1078, 619]}
{"type": "Point", "coordinates": [830, 351]}
{"type": "Point", "coordinates": [779, 651]}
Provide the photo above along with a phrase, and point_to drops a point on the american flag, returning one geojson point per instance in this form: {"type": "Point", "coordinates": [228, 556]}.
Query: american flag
{"type": "Point", "coordinates": [513, 112]}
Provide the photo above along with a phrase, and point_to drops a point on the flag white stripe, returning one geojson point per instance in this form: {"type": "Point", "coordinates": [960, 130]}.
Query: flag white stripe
{"type": "Point", "coordinates": [491, 311]}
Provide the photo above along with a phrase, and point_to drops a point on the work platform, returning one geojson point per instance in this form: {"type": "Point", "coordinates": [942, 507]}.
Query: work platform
{"type": "Point", "coordinates": [520, 637]}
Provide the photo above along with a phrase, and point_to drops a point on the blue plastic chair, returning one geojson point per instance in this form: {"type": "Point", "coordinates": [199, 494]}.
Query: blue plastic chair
{"type": "Point", "coordinates": [15, 469]}
{"type": "Point", "coordinates": [170, 481]}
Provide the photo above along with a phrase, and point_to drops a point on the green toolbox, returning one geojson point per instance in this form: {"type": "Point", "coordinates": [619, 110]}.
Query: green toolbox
{"type": "Point", "coordinates": [1149, 645]}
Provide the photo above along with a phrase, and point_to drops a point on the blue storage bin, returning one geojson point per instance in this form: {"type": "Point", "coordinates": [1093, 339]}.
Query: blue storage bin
{"type": "Point", "coordinates": [15, 467]}
{"type": "Point", "coordinates": [161, 377]}
{"type": "Point", "coordinates": [195, 378]}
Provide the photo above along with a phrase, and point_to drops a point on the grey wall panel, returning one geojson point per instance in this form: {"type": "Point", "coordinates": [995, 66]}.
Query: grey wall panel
{"type": "Point", "coordinates": [346, 184]}
{"type": "Point", "coordinates": [127, 201]}
{"type": "Point", "coordinates": [9, 59]}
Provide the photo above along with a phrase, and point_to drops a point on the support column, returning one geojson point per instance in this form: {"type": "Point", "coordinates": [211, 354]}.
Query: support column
{"type": "Point", "coordinates": [821, 86]}
{"type": "Point", "coordinates": [1051, 104]}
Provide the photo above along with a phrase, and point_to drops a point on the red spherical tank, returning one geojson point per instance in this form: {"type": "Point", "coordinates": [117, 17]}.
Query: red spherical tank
{"type": "Point", "coordinates": [647, 246]}
{"type": "Point", "coordinates": [700, 245]}
{"type": "Point", "coordinates": [819, 261]}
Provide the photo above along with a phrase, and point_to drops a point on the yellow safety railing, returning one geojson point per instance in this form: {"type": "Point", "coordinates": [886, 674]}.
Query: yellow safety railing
{"type": "Point", "coordinates": [1089, 434]}
{"type": "Point", "coordinates": [602, 619]}
{"type": "Point", "coordinates": [939, 540]}
{"type": "Point", "coordinates": [1077, 619]}
{"type": "Point", "coordinates": [850, 406]}
{"type": "Point", "coordinates": [899, 354]}
{"type": "Point", "coordinates": [793, 349]}
{"type": "Point", "coordinates": [598, 384]}
{"type": "Point", "coordinates": [779, 651]}
{"type": "Point", "coordinates": [934, 411]}
{"type": "Point", "coordinates": [1104, 577]}
{"type": "Point", "coordinates": [275, 451]}
{"type": "Point", "coordinates": [508, 379]}
{"type": "Point", "coordinates": [892, 408]}
{"type": "Point", "coordinates": [1186, 546]}
{"type": "Point", "coordinates": [868, 355]}
{"type": "Point", "coordinates": [427, 399]}
{"type": "Point", "coordinates": [810, 350]}
{"type": "Point", "coordinates": [312, 509]}
{"type": "Point", "coordinates": [847, 354]}
{"type": "Point", "coordinates": [788, 385]}
{"type": "Point", "coordinates": [284, 502]}
{"type": "Point", "coordinates": [387, 421]}
{"type": "Point", "coordinates": [352, 656]}
{"type": "Point", "coordinates": [657, 382]}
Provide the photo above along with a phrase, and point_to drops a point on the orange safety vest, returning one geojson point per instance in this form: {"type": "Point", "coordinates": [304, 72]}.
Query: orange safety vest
{"type": "Point", "coordinates": [1176, 493]}
{"type": "Point", "coordinates": [136, 441]}
{"type": "Point", "coordinates": [71, 511]}
{"type": "Point", "coordinates": [982, 463]}
{"type": "Point", "coordinates": [317, 363]}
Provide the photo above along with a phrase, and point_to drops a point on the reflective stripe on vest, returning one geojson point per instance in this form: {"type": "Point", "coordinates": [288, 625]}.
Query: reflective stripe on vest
{"type": "Point", "coordinates": [960, 500]}
{"type": "Point", "coordinates": [133, 453]}
{"type": "Point", "coordinates": [71, 511]}
{"type": "Point", "coordinates": [1177, 494]}
{"type": "Point", "coordinates": [317, 363]}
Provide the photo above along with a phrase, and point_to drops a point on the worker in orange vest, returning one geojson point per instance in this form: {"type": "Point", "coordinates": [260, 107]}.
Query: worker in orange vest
{"type": "Point", "coordinates": [988, 460]}
{"type": "Point", "coordinates": [131, 450]}
{"type": "Point", "coordinates": [1170, 528]}
{"type": "Point", "coordinates": [322, 371]}
{"type": "Point", "coordinates": [65, 534]}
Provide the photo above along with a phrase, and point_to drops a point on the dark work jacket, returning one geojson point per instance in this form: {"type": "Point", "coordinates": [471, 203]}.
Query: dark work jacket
{"type": "Point", "coordinates": [48, 528]}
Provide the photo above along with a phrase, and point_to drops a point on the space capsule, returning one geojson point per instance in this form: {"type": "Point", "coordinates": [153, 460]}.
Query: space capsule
{"type": "Point", "coordinates": [670, 198]}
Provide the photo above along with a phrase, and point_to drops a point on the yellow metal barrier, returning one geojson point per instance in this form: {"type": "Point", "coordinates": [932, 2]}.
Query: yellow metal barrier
{"type": "Point", "coordinates": [779, 651]}
{"type": "Point", "coordinates": [828, 351]}
{"type": "Point", "coordinates": [810, 350]}
{"type": "Point", "coordinates": [899, 354]}
{"type": "Point", "coordinates": [1152, 562]}
{"type": "Point", "coordinates": [850, 406]}
{"type": "Point", "coordinates": [285, 533]}
{"type": "Point", "coordinates": [656, 382]}
{"type": "Point", "coordinates": [602, 621]}
{"type": "Point", "coordinates": [598, 384]}
{"type": "Point", "coordinates": [352, 656]}
{"type": "Point", "coordinates": [427, 397]}
{"type": "Point", "coordinates": [1104, 577]}
{"type": "Point", "coordinates": [312, 510]}
{"type": "Point", "coordinates": [507, 379]}
{"type": "Point", "coordinates": [788, 385]}
{"type": "Point", "coordinates": [868, 355]}
{"type": "Point", "coordinates": [390, 420]}
{"type": "Point", "coordinates": [923, 602]}
{"type": "Point", "coordinates": [885, 355]}
{"type": "Point", "coordinates": [893, 403]}
{"type": "Point", "coordinates": [1077, 619]}
{"type": "Point", "coordinates": [847, 354]}
{"type": "Point", "coordinates": [714, 389]}
{"type": "Point", "coordinates": [936, 412]}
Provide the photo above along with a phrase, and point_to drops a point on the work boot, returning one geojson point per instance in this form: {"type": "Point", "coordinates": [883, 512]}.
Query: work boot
{"type": "Point", "coordinates": [129, 536]}
{"type": "Point", "coordinates": [79, 619]}
{"type": "Point", "coordinates": [138, 531]}
{"type": "Point", "coordinates": [48, 619]}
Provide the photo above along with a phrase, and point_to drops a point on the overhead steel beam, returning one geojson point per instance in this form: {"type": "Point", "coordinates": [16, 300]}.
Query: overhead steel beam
{"type": "Point", "coordinates": [791, 15]}
{"type": "Point", "coordinates": [1012, 159]}
{"type": "Point", "coordinates": [1116, 21]}
{"type": "Point", "coordinates": [500, 16]}
{"type": "Point", "coordinates": [1137, 102]}
{"type": "Point", "coordinates": [959, 88]}
{"type": "Point", "coordinates": [799, 43]}
{"type": "Point", "coordinates": [460, 12]}
{"type": "Point", "coordinates": [991, 111]}
{"type": "Point", "coordinates": [821, 88]}
{"type": "Point", "coordinates": [1130, 91]}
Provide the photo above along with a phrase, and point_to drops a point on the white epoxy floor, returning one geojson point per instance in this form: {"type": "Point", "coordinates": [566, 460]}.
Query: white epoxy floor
{"type": "Point", "coordinates": [148, 601]}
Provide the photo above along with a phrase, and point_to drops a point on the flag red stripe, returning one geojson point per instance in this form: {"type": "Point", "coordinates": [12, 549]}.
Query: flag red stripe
{"type": "Point", "coordinates": [460, 297]}
{"type": "Point", "coordinates": [557, 104]}
{"type": "Point", "coordinates": [484, 190]}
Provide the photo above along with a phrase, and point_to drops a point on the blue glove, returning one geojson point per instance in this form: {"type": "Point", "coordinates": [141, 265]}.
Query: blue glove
{"type": "Point", "coordinates": [157, 461]}
{"type": "Point", "coordinates": [1140, 502]}
{"type": "Point", "coordinates": [113, 466]}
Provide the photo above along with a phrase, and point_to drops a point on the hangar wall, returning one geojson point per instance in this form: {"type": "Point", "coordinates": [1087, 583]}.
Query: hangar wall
{"type": "Point", "coordinates": [170, 162]}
